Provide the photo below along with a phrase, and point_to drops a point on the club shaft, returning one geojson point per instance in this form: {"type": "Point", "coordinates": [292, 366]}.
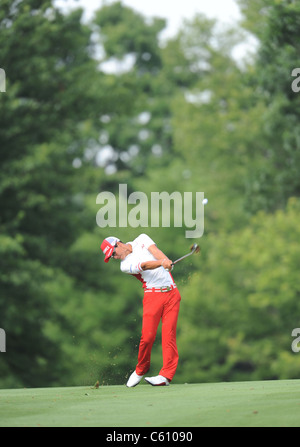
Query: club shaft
{"type": "Point", "coordinates": [183, 257]}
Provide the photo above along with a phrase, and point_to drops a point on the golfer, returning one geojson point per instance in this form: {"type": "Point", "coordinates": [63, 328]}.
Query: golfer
{"type": "Point", "coordinates": [143, 259]}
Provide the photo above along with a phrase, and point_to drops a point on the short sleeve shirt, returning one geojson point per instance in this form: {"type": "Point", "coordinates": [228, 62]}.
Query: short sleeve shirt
{"type": "Point", "coordinates": [158, 277]}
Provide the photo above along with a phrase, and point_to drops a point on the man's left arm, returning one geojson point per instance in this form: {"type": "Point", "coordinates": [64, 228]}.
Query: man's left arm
{"type": "Point", "coordinates": [161, 259]}
{"type": "Point", "coordinates": [157, 253]}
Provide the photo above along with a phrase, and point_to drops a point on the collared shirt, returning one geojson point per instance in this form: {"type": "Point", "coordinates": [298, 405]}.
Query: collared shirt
{"type": "Point", "coordinates": [158, 277]}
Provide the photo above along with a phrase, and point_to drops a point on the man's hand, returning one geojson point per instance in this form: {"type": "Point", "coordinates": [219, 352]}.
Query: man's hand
{"type": "Point", "coordinates": [161, 260]}
{"type": "Point", "coordinates": [167, 264]}
{"type": "Point", "coordinates": [150, 265]}
{"type": "Point", "coordinates": [160, 256]}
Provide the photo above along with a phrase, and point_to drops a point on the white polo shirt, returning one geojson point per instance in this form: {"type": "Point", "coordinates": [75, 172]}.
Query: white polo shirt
{"type": "Point", "coordinates": [158, 277]}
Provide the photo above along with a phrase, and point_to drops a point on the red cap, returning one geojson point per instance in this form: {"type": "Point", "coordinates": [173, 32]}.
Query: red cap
{"type": "Point", "coordinates": [108, 245]}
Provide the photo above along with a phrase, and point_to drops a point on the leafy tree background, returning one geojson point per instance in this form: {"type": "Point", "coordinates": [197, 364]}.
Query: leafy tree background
{"type": "Point", "coordinates": [184, 116]}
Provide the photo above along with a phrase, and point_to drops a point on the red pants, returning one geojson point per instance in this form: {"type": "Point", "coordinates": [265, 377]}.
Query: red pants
{"type": "Point", "coordinates": [159, 306]}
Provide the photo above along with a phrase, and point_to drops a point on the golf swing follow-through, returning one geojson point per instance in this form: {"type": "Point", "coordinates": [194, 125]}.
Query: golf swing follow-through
{"type": "Point", "coordinates": [144, 260]}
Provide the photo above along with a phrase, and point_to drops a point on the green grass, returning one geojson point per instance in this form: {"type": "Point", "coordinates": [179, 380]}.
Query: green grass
{"type": "Point", "coordinates": [237, 404]}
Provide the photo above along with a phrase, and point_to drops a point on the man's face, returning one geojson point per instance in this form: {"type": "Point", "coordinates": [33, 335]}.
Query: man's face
{"type": "Point", "coordinates": [119, 251]}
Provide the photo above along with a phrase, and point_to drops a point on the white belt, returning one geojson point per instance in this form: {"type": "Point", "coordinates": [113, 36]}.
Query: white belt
{"type": "Point", "coordinates": [160, 289]}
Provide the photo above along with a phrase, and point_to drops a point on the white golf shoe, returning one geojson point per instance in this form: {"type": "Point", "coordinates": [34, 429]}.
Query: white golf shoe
{"type": "Point", "coordinates": [157, 380]}
{"type": "Point", "coordinates": [134, 380]}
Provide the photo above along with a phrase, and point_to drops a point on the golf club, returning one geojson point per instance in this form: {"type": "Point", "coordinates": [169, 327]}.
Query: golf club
{"type": "Point", "coordinates": [194, 249]}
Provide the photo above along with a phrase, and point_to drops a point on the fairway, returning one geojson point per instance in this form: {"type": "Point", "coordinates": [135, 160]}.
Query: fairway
{"type": "Point", "coordinates": [238, 404]}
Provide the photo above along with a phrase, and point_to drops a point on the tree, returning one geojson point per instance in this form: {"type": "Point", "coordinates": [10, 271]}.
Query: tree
{"type": "Point", "coordinates": [51, 97]}
{"type": "Point", "coordinates": [139, 131]}
{"type": "Point", "coordinates": [275, 177]}
{"type": "Point", "coordinates": [242, 305]}
{"type": "Point", "coordinates": [210, 119]}
{"type": "Point", "coordinates": [183, 117]}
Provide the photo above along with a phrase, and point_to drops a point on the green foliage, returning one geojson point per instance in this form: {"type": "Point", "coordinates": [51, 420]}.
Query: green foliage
{"type": "Point", "coordinates": [124, 31]}
{"type": "Point", "coordinates": [274, 179]}
{"type": "Point", "coordinates": [41, 133]}
{"type": "Point", "coordinates": [239, 311]}
{"type": "Point", "coordinates": [184, 116]}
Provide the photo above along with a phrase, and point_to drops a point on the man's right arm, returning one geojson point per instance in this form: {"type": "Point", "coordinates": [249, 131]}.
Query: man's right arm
{"type": "Point", "coordinates": [161, 258]}
{"type": "Point", "coordinates": [151, 265]}
{"type": "Point", "coordinates": [133, 269]}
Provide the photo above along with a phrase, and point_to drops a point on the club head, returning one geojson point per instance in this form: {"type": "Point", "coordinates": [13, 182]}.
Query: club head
{"type": "Point", "coordinates": [195, 248]}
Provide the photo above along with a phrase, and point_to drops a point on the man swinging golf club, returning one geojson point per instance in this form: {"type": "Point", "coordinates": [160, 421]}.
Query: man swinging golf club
{"type": "Point", "coordinates": [144, 260]}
